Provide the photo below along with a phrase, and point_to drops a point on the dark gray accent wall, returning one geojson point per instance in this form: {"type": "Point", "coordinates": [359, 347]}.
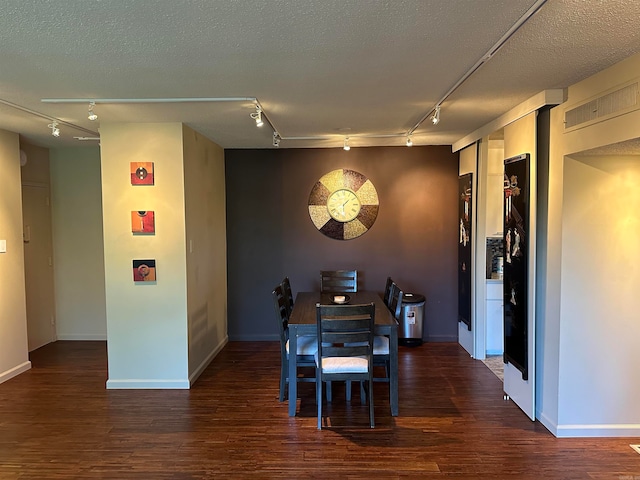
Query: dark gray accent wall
{"type": "Point", "coordinates": [270, 234]}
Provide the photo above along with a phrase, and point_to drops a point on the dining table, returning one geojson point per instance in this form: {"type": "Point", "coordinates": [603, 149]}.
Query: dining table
{"type": "Point", "coordinates": [302, 321]}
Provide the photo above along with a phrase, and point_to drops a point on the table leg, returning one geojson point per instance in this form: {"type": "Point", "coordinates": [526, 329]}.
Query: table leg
{"type": "Point", "coordinates": [393, 374]}
{"type": "Point", "coordinates": [293, 370]}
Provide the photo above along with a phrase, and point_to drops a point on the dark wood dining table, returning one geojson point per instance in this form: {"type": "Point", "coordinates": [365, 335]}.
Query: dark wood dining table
{"type": "Point", "coordinates": [303, 322]}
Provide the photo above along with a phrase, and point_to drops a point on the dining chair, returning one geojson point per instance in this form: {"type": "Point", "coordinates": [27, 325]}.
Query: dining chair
{"type": "Point", "coordinates": [386, 297]}
{"type": "Point", "coordinates": [345, 348]}
{"type": "Point", "coordinates": [381, 351]}
{"type": "Point", "coordinates": [307, 346]}
{"type": "Point", "coordinates": [288, 294]}
{"type": "Point", "coordinates": [338, 281]}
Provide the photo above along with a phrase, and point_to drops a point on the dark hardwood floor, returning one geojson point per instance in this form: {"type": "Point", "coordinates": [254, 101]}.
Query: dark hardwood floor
{"type": "Point", "coordinates": [57, 421]}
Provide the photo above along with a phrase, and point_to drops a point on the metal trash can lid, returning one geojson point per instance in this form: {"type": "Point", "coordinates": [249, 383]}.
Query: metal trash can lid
{"type": "Point", "coordinates": [412, 298]}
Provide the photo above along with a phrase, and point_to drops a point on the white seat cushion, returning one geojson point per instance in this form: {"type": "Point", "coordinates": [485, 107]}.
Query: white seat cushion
{"type": "Point", "coordinates": [380, 345]}
{"type": "Point", "coordinates": [307, 345]}
{"type": "Point", "coordinates": [344, 364]}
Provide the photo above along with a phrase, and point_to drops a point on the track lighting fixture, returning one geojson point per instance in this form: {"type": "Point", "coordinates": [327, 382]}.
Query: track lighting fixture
{"type": "Point", "coordinates": [276, 139]}
{"type": "Point", "coordinates": [435, 118]}
{"type": "Point", "coordinates": [92, 115]}
{"type": "Point", "coordinates": [257, 116]}
{"type": "Point", "coordinates": [55, 131]}
{"type": "Point", "coordinates": [409, 141]}
{"type": "Point", "coordinates": [346, 144]}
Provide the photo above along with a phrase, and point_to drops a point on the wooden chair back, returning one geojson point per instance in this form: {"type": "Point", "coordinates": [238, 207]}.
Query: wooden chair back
{"type": "Point", "coordinates": [387, 291]}
{"type": "Point", "coordinates": [288, 294]}
{"type": "Point", "coordinates": [345, 348]}
{"type": "Point", "coordinates": [395, 301]}
{"type": "Point", "coordinates": [338, 281]}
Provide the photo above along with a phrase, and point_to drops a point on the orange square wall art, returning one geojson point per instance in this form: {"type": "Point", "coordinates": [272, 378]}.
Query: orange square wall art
{"type": "Point", "coordinates": [144, 270]}
{"type": "Point", "coordinates": [143, 222]}
{"type": "Point", "coordinates": [141, 173]}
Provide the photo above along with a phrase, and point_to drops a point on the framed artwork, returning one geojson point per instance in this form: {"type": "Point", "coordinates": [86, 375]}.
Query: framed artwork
{"type": "Point", "coordinates": [143, 222]}
{"type": "Point", "coordinates": [141, 173]}
{"type": "Point", "coordinates": [144, 270]}
{"type": "Point", "coordinates": [465, 205]}
{"type": "Point", "coordinates": [515, 279]}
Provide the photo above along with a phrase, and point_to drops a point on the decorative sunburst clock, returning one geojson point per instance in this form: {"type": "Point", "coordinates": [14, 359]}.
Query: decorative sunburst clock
{"type": "Point", "coordinates": [343, 204]}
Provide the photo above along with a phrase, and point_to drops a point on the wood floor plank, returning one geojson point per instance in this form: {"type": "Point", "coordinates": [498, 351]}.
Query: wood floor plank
{"type": "Point", "coordinates": [57, 421]}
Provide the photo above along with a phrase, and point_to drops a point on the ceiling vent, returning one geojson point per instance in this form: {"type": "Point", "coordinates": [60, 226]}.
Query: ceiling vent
{"type": "Point", "coordinates": [614, 103]}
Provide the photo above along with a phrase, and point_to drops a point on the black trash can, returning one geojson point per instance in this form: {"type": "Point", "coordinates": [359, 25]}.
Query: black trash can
{"type": "Point", "coordinates": [411, 322]}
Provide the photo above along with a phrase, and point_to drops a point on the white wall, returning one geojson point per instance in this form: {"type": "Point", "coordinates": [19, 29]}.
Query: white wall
{"type": "Point", "coordinates": [78, 244]}
{"type": "Point", "coordinates": [206, 233]}
{"type": "Point", "coordinates": [601, 274]}
{"type": "Point", "coordinates": [591, 323]}
{"type": "Point", "coordinates": [146, 322]}
{"type": "Point", "coordinates": [14, 357]}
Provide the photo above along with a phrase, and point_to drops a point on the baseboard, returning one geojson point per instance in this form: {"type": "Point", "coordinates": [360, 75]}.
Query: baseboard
{"type": "Point", "coordinates": [442, 338]}
{"type": "Point", "coordinates": [605, 430]}
{"type": "Point", "coordinates": [205, 363]}
{"type": "Point", "coordinates": [82, 336]}
{"type": "Point", "coordinates": [254, 338]}
{"type": "Point", "coordinates": [495, 352]}
{"type": "Point", "coordinates": [590, 430]}
{"type": "Point", "coordinates": [176, 384]}
{"type": "Point", "coordinates": [15, 371]}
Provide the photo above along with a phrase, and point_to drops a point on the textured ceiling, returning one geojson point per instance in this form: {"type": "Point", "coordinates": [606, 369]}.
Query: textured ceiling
{"type": "Point", "coordinates": [326, 69]}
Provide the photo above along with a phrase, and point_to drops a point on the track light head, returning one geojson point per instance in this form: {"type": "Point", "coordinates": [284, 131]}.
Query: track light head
{"type": "Point", "coordinates": [276, 139]}
{"type": "Point", "coordinates": [257, 116]}
{"type": "Point", "coordinates": [409, 141]}
{"type": "Point", "coordinates": [92, 115]}
{"type": "Point", "coordinates": [346, 146]}
{"type": "Point", "coordinates": [435, 118]}
{"type": "Point", "coordinates": [55, 131]}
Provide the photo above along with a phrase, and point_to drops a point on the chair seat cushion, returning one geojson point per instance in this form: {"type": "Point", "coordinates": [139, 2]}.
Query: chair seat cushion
{"type": "Point", "coordinates": [380, 345]}
{"type": "Point", "coordinates": [307, 345]}
{"type": "Point", "coordinates": [344, 364]}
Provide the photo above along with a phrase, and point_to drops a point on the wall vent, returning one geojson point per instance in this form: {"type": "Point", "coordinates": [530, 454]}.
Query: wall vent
{"type": "Point", "coordinates": [616, 102]}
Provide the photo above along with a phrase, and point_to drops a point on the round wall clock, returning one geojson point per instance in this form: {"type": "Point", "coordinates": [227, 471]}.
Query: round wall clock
{"type": "Point", "coordinates": [343, 204]}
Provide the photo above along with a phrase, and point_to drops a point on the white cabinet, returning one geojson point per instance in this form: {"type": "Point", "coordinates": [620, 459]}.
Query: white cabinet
{"type": "Point", "coordinates": [495, 324]}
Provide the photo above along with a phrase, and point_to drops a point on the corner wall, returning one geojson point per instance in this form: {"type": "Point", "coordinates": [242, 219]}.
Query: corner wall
{"type": "Point", "coordinates": [146, 321]}
{"type": "Point", "coordinates": [14, 357]}
{"type": "Point", "coordinates": [206, 255]}
{"type": "Point", "coordinates": [589, 269]}
{"type": "Point", "coordinates": [78, 246]}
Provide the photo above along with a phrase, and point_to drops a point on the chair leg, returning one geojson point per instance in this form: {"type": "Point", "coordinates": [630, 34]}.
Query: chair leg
{"type": "Point", "coordinates": [348, 390]}
{"type": "Point", "coordinates": [329, 394]}
{"type": "Point", "coordinates": [363, 394]}
{"type": "Point", "coordinates": [371, 419]}
{"type": "Point", "coordinates": [319, 398]}
{"type": "Point", "coordinates": [283, 380]}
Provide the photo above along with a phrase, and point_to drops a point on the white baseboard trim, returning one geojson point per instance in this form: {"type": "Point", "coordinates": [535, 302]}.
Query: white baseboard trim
{"type": "Point", "coordinates": [602, 430]}
{"type": "Point", "coordinates": [140, 384]}
{"type": "Point", "coordinates": [15, 371]}
{"type": "Point", "coordinates": [205, 363]}
{"type": "Point", "coordinates": [590, 430]}
{"type": "Point", "coordinates": [83, 336]}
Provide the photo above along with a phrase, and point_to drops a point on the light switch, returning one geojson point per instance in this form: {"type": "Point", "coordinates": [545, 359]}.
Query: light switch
{"type": "Point", "coordinates": [3, 246]}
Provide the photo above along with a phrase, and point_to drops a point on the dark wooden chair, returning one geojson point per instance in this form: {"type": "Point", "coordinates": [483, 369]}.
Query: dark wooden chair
{"type": "Point", "coordinates": [307, 345]}
{"type": "Point", "coordinates": [386, 297]}
{"type": "Point", "coordinates": [381, 355]}
{"type": "Point", "coordinates": [345, 348]}
{"type": "Point", "coordinates": [338, 281]}
{"type": "Point", "coordinates": [288, 294]}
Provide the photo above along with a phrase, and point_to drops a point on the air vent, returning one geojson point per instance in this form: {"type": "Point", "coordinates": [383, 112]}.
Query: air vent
{"type": "Point", "coordinates": [618, 101]}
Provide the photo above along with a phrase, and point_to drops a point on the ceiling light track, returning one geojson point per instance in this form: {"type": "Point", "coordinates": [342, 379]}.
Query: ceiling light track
{"type": "Point", "coordinates": [484, 59]}
{"type": "Point", "coordinates": [46, 117]}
